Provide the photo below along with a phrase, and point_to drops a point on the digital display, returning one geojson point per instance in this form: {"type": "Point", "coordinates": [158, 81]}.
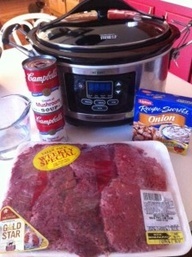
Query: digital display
{"type": "Point", "coordinates": [99, 88]}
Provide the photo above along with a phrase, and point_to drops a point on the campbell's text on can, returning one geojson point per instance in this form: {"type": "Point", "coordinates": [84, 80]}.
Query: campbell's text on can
{"type": "Point", "coordinates": [46, 97]}
{"type": "Point", "coordinates": [43, 83]}
{"type": "Point", "coordinates": [51, 125]}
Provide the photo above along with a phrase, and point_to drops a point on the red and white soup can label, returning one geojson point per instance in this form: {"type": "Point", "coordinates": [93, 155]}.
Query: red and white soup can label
{"type": "Point", "coordinates": [43, 83]}
{"type": "Point", "coordinates": [46, 97]}
{"type": "Point", "coordinates": [51, 126]}
{"type": "Point", "coordinates": [47, 103]}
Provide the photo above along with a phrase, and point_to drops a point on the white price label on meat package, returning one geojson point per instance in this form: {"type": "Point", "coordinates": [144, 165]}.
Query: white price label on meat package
{"type": "Point", "coordinates": [161, 220]}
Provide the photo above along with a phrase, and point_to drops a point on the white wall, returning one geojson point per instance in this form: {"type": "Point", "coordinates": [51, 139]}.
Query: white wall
{"type": "Point", "coordinates": [187, 3]}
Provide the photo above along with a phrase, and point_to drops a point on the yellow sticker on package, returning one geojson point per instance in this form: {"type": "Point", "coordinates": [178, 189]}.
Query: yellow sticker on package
{"type": "Point", "coordinates": [164, 237]}
{"type": "Point", "coordinates": [53, 157]}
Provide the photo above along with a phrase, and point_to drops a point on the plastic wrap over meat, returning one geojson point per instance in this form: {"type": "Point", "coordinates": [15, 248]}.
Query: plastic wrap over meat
{"type": "Point", "coordinates": [91, 206]}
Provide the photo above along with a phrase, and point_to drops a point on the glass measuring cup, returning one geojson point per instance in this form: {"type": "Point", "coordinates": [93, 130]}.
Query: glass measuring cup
{"type": "Point", "coordinates": [14, 123]}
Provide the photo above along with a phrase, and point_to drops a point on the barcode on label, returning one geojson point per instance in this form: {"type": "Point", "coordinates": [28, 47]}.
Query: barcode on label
{"type": "Point", "coordinates": [152, 197]}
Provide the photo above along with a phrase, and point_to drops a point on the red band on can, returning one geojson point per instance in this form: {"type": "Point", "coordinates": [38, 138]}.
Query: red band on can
{"type": "Point", "coordinates": [51, 126]}
{"type": "Point", "coordinates": [40, 72]}
{"type": "Point", "coordinates": [36, 80]}
{"type": "Point", "coordinates": [47, 103]}
{"type": "Point", "coordinates": [50, 122]}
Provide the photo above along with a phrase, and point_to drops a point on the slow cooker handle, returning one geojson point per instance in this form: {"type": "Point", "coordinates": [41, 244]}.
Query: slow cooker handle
{"type": "Point", "coordinates": [88, 5]}
{"type": "Point", "coordinates": [100, 6]}
{"type": "Point", "coordinates": [183, 43]}
{"type": "Point", "coordinates": [6, 39]}
{"type": "Point", "coordinates": [8, 31]}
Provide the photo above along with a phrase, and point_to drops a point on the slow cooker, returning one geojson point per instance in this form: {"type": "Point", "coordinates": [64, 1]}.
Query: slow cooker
{"type": "Point", "coordinates": [106, 50]}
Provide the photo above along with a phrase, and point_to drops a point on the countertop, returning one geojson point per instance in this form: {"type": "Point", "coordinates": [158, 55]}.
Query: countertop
{"type": "Point", "coordinates": [12, 80]}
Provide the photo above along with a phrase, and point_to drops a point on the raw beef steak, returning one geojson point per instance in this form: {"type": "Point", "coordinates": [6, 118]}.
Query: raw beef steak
{"type": "Point", "coordinates": [91, 206]}
{"type": "Point", "coordinates": [134, 167]}
{"type": "Point", "coordinates": [121, 212]}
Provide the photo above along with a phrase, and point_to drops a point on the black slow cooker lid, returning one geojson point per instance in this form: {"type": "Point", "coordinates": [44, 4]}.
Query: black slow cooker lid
{"type": "Point", "coordinates": [115, 28]}
{"type": "Point", "coordinates": [91, 36]}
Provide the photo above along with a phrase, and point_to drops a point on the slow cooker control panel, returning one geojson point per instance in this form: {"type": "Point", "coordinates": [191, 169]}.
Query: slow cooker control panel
{"type": "Point", "coordinates": [100, 94]}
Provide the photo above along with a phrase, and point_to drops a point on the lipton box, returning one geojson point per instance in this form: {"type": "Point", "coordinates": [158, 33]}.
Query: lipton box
{"type": "Point", "coordinates": [163, 117]}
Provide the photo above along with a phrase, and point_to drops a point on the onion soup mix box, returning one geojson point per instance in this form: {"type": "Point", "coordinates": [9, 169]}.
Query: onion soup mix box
{"type": "Point", "coordinates": [163, 117]}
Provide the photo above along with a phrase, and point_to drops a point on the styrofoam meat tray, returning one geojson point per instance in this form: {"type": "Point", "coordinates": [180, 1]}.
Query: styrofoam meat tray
{"type": "Point", "coordinates": [153, 149]}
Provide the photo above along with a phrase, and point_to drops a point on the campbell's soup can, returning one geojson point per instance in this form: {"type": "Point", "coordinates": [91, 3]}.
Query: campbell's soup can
{"type": "Point", "coordinates": [46, 98]}
{"type": "Point", "coordinates": [51, 125]}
